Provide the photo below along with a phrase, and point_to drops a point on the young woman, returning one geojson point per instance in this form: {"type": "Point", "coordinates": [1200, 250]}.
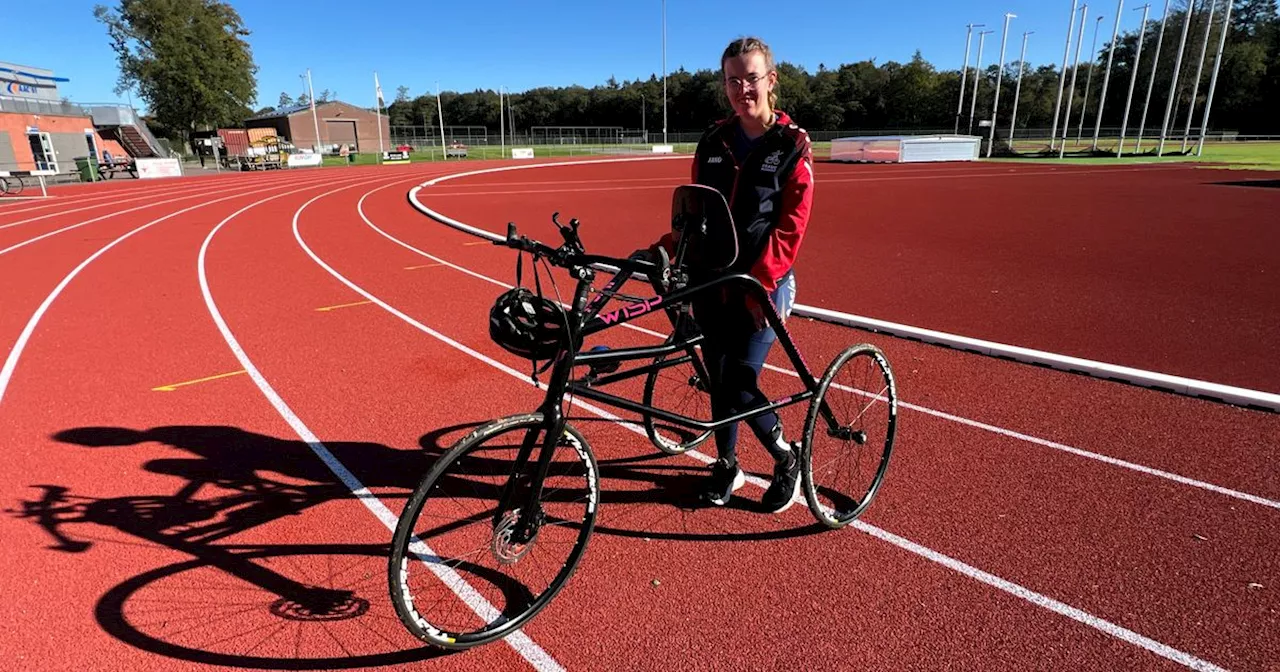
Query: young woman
{"type": "Point", "coordinates": [762, 162]}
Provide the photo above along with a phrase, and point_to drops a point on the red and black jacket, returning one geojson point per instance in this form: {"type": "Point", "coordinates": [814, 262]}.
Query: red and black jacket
{"type": "Point", "coordinates": [770, 194]}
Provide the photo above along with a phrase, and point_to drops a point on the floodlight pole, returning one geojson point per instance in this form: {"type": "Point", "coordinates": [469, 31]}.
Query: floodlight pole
{"type": "Point", "coordinates": [964, 72]}
{"type": "Point", "coordinates": [1071, 92]}
{"type": "Point", "coordinates": [1133, 78]}
{"type": "Point", "coordinates": [1195, 87]}
{"type": "Point", "coordinates": [644, 126]}
{"type": "Point", "coordinates": [1173, 84]}
{"type": "Point", "coordinates": [1017, 92]}
{"type": "Point", "coordinates": [1106, 79]}
{"type": "Point", "coordinates": [502, 121]}
{"type": "Point", "coordinates": [664, 72]}
{"type": "Point", "coordinates": [1062, 76]}
{"type": "Point", "coordinates": [311, 96]}
{"type": "Point", "coordinates": [1151, 82]}
{"type": "Point", "coordinates": [977, 72]}
{"type": "Point", "coordinates": [995, 102]}
{"type": "Point", "coordinates": [1088, 82]}
{"type": "Point", "coordinates": [1213, 81]}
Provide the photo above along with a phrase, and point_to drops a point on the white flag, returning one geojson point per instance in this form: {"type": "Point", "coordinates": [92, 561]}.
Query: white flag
{"type": "Point", "coordinates": [378, 87]}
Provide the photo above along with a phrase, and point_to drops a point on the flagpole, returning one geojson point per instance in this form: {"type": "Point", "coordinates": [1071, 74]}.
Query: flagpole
{"type": "Point", "coordinates": [440, 113]}
{"type": "Point", "coordinates": [311, 96]}
{"type": "Point", "coordinates": [377, 106]}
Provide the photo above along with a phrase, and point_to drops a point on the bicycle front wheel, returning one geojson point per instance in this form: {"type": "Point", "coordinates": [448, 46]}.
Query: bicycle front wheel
{"type": "Point", "coordinates": [461, 574]}
{"type": "Point", "coordinates": [844, 462]}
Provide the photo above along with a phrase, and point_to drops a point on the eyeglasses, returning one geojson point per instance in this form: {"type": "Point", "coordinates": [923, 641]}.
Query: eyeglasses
{"type": "Point", "coordinates": [753, 80]}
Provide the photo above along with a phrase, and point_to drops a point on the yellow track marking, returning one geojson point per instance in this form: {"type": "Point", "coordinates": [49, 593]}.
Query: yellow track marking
{"type": "Point", "coordinates": [414, 268]}
{"type": "Point", "coordinates": [174, 386]}
{"type": "Point", "coordinates": [342, 305]}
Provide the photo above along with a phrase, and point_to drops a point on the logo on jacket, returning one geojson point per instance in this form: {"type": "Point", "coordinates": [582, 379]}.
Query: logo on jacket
{"type": "Point", "coordinates": [771, 162]}
{"type": "Point", "coordinates": [714, 159]}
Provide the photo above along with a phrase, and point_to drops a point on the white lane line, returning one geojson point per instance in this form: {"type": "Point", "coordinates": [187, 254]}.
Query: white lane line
{"type": "Point", "coordinates": [1202, 389]}
{"type": "Point", "coordinates": [11, 362]}
{"type": "Point", "coordinates": [1106, 459]}
{"type": "Point", "coordinates": [526, 647]}
{"type": "Point", "coordinates": [67, 201]}
{"type": "Point", "coordinates": [193, 190]}
{"type": "Point", "coordinates": [124, 212]}
{"type": "Point", "coordinates": [992, 580]}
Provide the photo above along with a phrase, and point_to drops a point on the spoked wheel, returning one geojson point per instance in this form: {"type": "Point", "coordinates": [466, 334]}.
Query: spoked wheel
{"type": "Point", "coordinates": [463, 573]}
{"type": "Point", "coordinates": [682, 389]}
{"type": "Point", "coordinates": [845, 462]}
{"type": "Point", "coordinates": [11, 186]}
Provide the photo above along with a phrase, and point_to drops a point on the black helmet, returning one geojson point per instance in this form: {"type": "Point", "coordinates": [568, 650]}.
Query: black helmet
{"type": "Point", "coordinates": [528, 325]}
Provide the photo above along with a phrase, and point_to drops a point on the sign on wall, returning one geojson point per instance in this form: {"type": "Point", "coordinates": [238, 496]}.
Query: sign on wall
{"type": "Point", "coordinates": [522, 152]}
{"type": "Point", "coordinates": [20, 81]}
{"type": "Point", "coordinates": [153, 168]}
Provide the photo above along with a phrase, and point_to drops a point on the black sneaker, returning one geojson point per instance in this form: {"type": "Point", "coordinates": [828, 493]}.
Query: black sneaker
{"type": "Point", "coordinates": [725, 478]}
{"type": "Point", "coordinates": [786, 483]}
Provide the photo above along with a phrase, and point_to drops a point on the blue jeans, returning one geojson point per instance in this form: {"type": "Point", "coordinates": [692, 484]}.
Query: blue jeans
{"type": "Point", "coordinates": [734, 359]}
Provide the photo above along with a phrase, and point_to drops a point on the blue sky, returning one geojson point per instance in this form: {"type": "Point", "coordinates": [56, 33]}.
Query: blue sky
{"type": "Point", "coordinates": [522, 45]}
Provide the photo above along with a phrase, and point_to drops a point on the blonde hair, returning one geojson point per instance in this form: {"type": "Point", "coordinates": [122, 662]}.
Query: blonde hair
{"type": "Point", "coordinates": [747, 45]}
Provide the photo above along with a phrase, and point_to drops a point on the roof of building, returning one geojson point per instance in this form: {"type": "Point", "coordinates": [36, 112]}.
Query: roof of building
{"type": "Point", "coordinates": [294, 109]}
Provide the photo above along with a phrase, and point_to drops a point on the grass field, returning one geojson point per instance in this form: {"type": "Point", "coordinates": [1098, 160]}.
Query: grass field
{"type": "Point", "coordinates": [1252, 155]}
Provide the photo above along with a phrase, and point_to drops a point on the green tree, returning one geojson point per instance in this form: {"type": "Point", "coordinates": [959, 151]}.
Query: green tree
{"type": "Point", "coordinates": [187, 58]}
{"type": "Point", "coordinates": [285, 100]}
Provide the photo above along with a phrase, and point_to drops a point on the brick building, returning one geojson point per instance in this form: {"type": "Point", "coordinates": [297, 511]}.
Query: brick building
{"type": "Point", "coordinates": [340, 124]}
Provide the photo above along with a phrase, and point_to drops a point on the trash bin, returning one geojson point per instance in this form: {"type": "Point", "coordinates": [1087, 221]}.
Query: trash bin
{"type": "Point", "coordinates": [87, 166]}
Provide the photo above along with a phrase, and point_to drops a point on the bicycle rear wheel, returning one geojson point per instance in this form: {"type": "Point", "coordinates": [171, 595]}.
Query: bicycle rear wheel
{"type": "Point", "coordinates": [681, 388]}
{"type": "Point", "coordinates": [457, 576]}
{"type": "Point", "coordinates": [843, 467]}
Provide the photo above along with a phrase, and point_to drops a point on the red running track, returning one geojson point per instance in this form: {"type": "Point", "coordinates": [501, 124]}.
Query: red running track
{"type": "Point", "coordinates": [151, 550]}
{"type": "Point", "coordinates": [1165, 268]}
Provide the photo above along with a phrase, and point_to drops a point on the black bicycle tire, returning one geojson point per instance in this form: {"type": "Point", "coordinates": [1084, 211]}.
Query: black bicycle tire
{"type": "Point", "coordinates": [650, 382]}
{"type": "Point", "coordinates": [12, 180]}
{"type": "Point", "coordinates": [413, 507]}
{"type": "Point", "coordinates": [814, 417]}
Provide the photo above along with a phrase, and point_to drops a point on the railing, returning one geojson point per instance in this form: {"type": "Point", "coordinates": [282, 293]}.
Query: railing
{"type": "Point", "coordinates": [38, 106]}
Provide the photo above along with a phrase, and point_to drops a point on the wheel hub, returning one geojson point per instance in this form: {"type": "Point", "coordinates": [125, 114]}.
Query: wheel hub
{"type": "Point", "coordinates": [511, 544]}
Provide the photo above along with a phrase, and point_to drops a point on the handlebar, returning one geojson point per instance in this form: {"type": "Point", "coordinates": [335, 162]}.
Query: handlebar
{"type": "Point", "coordinates": [572, 254]}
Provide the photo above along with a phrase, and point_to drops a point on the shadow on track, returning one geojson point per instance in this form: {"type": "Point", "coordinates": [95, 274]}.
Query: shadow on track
{"type": "Point", "coordinates": [308, 605]}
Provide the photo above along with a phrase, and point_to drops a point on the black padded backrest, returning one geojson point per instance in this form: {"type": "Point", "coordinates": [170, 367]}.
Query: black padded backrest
{"type": "Point", "coordinates": [715, 250]}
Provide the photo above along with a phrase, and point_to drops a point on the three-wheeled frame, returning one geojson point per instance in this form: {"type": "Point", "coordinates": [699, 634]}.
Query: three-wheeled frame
{"type": "Point", "coordinates": [520, 516]}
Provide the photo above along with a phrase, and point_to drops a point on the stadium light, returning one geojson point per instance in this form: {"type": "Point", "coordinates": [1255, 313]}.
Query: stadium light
{"type": "Point", "coordinates": [1133, 78]}
{"type": "Point", "coordinates": [1173, 83]}
{"type": "Point", "coordinates": [1088, 82]}
{"type": "Point", "coordinates": [977, 72]}
{"type": "Point", "coordinates": [995, 102]}
{"type": "Point", "coordinates": [1062, 76]}
{"type": "Point", "coordinates": [1106, 80]}
{"type": "Point", "coordinates": [664, 72]}
{"type": "Point", "coordinates": [502, 128]}
{"type": "Point", "coordinates": [964, 72]}
{"type": "Point", "coordinates": [1071, 93]}
{"type": "Point", "coordinates": [1151, 83]}
{"type": "Point", "coordinates": [1195, 86]}
{"type": "Point", "coordinates": [1017, 92]}
{"type": "Point", "coordinates": [1213, 81]}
